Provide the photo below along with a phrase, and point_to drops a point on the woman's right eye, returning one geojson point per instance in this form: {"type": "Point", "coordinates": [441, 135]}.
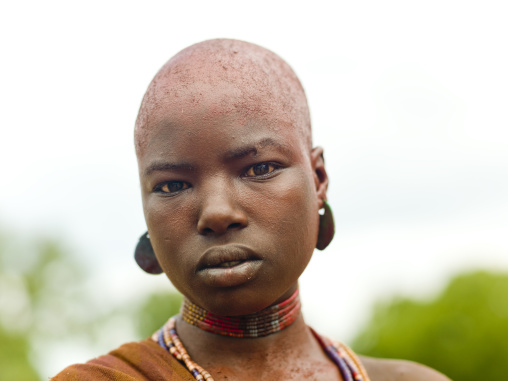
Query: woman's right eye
{"type": "Point", "coordinates": [170, 187]}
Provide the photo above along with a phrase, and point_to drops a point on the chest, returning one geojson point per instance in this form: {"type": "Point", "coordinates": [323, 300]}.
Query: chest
{"type": "Point", "coordinates": [295, 371]}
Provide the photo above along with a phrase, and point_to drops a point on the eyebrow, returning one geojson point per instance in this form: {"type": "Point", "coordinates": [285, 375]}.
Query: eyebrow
{"type": "Point", "coordinates": [166, 166]}
{"type": "Point", "coordinates": [241, 152]}
{"type": "Point", "coordinates": [230, 155]}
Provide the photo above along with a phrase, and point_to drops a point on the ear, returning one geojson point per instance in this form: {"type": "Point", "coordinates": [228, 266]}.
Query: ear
{"type": "Point", "coordinates": [319, 173]}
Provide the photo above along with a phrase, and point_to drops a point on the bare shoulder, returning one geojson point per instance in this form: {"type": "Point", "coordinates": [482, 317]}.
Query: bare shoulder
{"type": "Point", "coordinates": [399, 370]}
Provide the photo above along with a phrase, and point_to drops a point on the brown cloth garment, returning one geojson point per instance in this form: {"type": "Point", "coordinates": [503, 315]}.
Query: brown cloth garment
{"type": "Point", "coordinates": [144, 360]}
{"type": "Point", "coordinates": [147, 360]}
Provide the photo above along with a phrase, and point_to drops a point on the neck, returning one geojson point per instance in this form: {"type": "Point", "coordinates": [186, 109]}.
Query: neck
{"type": "Point", "coordinates": [263, 323]}
{"type": "Point", "coordinates": [224, 354]}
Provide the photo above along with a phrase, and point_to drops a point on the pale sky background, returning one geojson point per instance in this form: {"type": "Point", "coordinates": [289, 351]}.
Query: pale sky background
{"type": "Point", "coordinates": [409, 100]}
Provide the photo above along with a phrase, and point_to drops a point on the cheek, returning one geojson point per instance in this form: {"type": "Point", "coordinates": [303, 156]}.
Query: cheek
{"type": "Point", "coordinates": [169, 224]}
{"type": "Point", "coordinates": [292, 215]}
{"type": "Point", "coordinates": [167, 220]}
{"type": "Point", "coordinates": [166, 213]}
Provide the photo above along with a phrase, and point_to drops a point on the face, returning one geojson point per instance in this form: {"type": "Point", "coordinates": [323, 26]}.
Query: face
{"type": "Point", "coordinates": [231, 202]}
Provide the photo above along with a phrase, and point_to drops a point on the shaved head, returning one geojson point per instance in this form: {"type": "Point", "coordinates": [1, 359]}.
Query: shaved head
{"type": "Point", "coordinates": [229, 76]}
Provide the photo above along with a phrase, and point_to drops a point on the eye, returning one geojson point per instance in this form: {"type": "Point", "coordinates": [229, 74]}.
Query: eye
{"type": "Point", "coordinates": [171, 187]}
{"type": "Point", "coordinates": [261, 169]}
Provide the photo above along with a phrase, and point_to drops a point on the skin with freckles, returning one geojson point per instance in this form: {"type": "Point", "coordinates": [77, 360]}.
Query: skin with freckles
{"type": "Point", "coordinates": [231, 189]}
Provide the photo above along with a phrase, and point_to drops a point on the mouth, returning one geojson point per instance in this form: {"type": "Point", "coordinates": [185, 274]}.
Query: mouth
{"type": "Point", "coordinates": [228, 266]}
{"type": "Point", "coordinates": [226, 256]}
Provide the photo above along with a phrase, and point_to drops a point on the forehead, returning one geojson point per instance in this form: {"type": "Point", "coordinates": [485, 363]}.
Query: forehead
{"type": "Point", "coordinates": [212, 128]}
{"type": "Point", "coordinates": [204, 102]}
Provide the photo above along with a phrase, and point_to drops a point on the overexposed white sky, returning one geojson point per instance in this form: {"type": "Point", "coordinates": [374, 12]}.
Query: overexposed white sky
{"type": "Point", "coordinates": [409, 100]}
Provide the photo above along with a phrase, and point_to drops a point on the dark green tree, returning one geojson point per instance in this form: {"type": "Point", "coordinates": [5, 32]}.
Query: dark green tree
{"type": "Point", "coordinates": [463, 332]}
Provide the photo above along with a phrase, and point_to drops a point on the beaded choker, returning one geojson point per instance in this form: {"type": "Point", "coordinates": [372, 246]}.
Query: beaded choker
{"type": "Point", "coordinates": [265, 322]}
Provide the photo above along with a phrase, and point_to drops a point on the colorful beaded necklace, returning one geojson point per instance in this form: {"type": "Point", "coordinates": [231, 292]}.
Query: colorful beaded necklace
{"type": "Point", "coordinates": [265, 322]}
{"type": "Point", "coordinates": [348, 364]}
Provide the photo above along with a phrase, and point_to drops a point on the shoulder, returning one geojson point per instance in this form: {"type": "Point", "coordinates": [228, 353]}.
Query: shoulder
{"type": "Point", "coordinates": [143, 360]}
{"type": "Point", "coordinates": [399, 370]}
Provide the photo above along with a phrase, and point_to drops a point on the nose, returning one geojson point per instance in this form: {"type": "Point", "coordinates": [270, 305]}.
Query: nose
{"type": "Point", "coordinates": [220, 211]}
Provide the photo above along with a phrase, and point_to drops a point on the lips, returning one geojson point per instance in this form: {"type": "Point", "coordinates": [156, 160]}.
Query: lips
{"type": "Point", "coordinates": [228, 265]}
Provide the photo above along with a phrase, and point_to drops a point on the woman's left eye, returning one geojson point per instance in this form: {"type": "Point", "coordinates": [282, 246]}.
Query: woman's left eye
{"type": "Point", "coordinates": [261, 169]}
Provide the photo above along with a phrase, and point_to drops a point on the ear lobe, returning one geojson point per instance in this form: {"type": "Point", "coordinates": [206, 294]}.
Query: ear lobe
{"type": "Point", "coordinates": [319, 174]}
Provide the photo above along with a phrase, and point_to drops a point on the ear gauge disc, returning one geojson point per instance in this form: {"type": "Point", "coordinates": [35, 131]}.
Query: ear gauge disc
{"type": "Point", "coordinates": [145, 256]}
{"type": "Point", "coordinates": [326, 227]}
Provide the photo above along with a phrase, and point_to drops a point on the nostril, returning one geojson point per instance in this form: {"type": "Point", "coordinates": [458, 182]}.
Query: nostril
{"type": "Point", "coordinates": [207, 231]}
{"type": "Point", "coordinates": [234, 225]}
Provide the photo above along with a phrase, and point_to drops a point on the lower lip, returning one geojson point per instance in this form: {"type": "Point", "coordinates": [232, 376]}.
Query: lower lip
{"type": "Point", "coordinates": [230, 276]}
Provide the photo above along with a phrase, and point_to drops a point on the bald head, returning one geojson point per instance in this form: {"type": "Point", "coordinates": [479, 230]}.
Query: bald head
{"type": "Point", "coordinates": [228, 76]}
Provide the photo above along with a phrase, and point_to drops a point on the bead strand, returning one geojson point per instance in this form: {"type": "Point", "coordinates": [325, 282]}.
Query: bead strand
{"type": "Point", "coordinates": [169, 340]}
{"type": "Point", "coordinates": [191, 365]}
{"type": "Point", "coordinates": [169, 343]}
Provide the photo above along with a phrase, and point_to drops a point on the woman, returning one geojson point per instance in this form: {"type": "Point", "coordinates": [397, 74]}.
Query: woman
{"type": "Point", "coordinates": [231, 191]}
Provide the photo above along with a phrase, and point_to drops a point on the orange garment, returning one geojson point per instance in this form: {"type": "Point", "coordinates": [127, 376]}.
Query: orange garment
{"type": "Point", "coordinates": [144, 360]}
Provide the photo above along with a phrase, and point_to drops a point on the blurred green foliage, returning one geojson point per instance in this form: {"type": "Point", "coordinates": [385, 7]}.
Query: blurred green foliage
{"type": "Point", "coordinates": [33, 304]}
{"type": "Point", "coordinates": [44, 299]}
{"type": "Point", "coordinates": [14, 357]}
{"type": "Point", "coordinates": [463, 332]}
{"type": "Point", "coordinates": [155, 311]}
